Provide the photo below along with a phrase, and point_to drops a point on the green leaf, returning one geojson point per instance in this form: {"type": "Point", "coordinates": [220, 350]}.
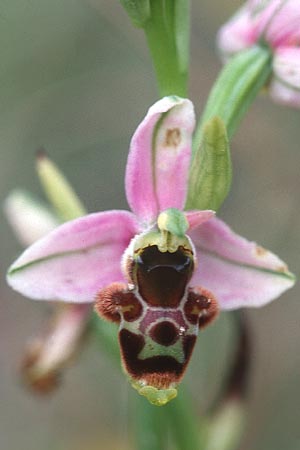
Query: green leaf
{"type": "Point", "coordinates": [210, 174]}
{"type": "Point", "coordinates": [138, 11]}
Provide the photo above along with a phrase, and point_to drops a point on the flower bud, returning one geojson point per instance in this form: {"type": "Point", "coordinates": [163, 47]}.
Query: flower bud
{"type": "Point", "coordinates": [46, 355]}
{"type": "Point", "coordinates": [273, 24]}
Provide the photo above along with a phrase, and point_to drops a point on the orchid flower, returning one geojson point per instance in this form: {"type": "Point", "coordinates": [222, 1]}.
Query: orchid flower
{"type": "Point", "coordinates": [49, 352]}
{"type": "Point", "coordinates": [159, 272]}
{"type": "Point", "coordinates": [276, 24]}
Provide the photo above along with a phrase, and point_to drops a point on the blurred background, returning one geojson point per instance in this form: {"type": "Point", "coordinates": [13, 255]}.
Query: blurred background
{"type": "Point", "coordinates": [76, 78]}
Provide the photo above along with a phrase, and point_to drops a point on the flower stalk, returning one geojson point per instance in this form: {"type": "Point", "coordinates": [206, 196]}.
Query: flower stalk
{"type": "Point", "coordinates": [167, 30]}
{"type": "Point", "coordinates": [167, 33]}
{"type": "Point", "coordinates": [188, 431]}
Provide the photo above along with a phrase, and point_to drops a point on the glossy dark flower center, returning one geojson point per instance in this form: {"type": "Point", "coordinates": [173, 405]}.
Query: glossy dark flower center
{"type": "Point", "coordinates": [162, 277]}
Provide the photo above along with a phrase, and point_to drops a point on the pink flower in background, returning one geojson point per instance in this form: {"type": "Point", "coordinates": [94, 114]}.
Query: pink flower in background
{"type": "Point", "coordinates": [157, 271]}
{"type": "Point", "coordinates": [275, 23]}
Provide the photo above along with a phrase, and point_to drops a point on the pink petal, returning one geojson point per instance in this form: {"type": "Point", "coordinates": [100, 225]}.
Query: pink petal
{"type": "Point", "coordinates": [275, 21]}
{"type": "Point", "coordinates": [75, 260]}
{"type": "Point", "coordinates": [286, 65]}
{"type": "Point", "coordinates": [237, 34]}
{"type": "Point", "coordinates": [285, 88]}
{"type": "Point", "coordinates": [285, 95]}
{"type": "Point", "coordinates": [196, 218]}
{"type": "Point", "coordinates": [238, 272]}
{"type": "Point", "coordinates": [263, 14]}
{"type": "Point", "coordinates": [159, 159]}
{"type": "Point", "coordinates": [279, 23]}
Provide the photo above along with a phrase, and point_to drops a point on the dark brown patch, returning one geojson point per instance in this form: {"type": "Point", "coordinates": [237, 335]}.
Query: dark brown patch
{"type": "Point", "coordinates": [161, 370]}
{"type": "Point", "coordinates": [44, 385]}
{"type": "Point", "coordinates": [194, 305]}
{"type": "Point", "coordinates": [162, 277]}
{"type": "Point", "coordinates": [131, 307]}
{"type": "Point", "coordinates": [201, 307]}
{"type": "Point", "coordinates": [164, 333]}
{"type": "Point", "coordinates": [40, 383]}
{"type": "Point", "coordinates": [173, 137]}
{"type": "Point", "coordinates": [116, 299]}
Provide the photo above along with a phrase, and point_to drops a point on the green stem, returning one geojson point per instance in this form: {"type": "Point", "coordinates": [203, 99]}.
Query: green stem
{"type": "Point", "coordinates": [172, 75]}
{"type": "Point", "coordinates": [187, 433]}
{"type": "Point", "coordinates": [235, 89]}
{"type": "Point", "coordinates": [149, 425]}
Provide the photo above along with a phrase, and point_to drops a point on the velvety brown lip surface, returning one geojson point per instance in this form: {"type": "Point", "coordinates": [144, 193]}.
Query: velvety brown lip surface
{"type": "Point", "coordinates": [164, 333]}
{"type": "Point", "coordinates": [161, 370]}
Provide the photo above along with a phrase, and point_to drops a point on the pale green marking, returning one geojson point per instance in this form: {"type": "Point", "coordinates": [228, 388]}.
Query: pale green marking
{"type": "Point", "coordinates": [173, 221]}
{"type": "Point", "coordinates": [158, 397]}
{"type": "Point", "coordinates": [163, 239]}
{"type": "Point", "coordinates": [152, 348]}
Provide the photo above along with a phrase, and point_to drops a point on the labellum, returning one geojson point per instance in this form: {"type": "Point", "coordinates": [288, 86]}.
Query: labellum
{"type": "Point", "coordinates": [158, 313]}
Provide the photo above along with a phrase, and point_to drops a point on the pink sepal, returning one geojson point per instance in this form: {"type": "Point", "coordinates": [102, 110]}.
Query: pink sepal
{"type": "Point", "coordinates": [76, 259]}
{"type": "Point", "coordinates": [240, 273]}
{"type": "Point", "coordinates": [285, 87]}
